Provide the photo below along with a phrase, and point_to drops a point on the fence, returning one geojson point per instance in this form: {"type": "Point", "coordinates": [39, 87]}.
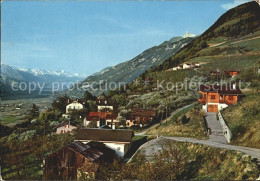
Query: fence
{"type": "Point", "coordinates": [225, 129]}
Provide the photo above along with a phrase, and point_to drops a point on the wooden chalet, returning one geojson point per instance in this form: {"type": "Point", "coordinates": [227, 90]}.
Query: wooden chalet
{"type": "Point", "coordinates": [232, 73]}
{"type": "Point", "coordinates": [215, 97]}
{"type": "Point", "coordinates": [143, 117]}
{"type": "Point", "coordinates": [76, 160]}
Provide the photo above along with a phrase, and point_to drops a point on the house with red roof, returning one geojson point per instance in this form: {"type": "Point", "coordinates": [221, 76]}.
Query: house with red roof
{"type": "Point", "coordinates": [217, 97]}
{"type": "Point", "coordinates": [99, 119]}
{"type": "Point", "coordinates": [232, 73]}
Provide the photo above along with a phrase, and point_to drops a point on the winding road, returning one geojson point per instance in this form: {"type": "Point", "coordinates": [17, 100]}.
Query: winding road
{"type": "Point", "coordinates": [216, 139]}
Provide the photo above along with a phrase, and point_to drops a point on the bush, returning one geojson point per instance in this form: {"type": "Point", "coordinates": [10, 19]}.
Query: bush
{"type": "Point", "coordinates": [237, 130]}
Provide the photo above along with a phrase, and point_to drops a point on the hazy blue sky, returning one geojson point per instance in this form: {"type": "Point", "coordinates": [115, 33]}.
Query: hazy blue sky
{"type": "Point", "coordinates": [86, 36]}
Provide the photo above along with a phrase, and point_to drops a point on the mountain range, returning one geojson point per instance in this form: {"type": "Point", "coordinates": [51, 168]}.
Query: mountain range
{"type": "Point", "coordinates": [128, 71]}
{"type": "Point", "coordinates": [24, 77]}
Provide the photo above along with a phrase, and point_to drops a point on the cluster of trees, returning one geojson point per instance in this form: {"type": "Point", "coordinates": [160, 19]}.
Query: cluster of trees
{"type": "Point", "coordinates": [167, 164]}
{"type": "Point", "coordinates": [180, 161]}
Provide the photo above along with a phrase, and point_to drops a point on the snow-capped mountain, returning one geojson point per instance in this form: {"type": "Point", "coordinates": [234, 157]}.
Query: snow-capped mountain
{"type": "Point", "coordinates": [39, 72]}
{"type": "Point", "coordinates": [187, 34]}
{"type": "Point", "coordinates": [47, 79]}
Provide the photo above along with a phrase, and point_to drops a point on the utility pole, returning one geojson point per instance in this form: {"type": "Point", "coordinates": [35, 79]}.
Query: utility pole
{"type": "Point", "coordinates": [166, 108]}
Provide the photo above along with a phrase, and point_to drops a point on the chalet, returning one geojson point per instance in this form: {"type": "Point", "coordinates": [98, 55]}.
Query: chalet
{"type": "Point", "coordinates": [142, 117]}
{"type": "Point", "coordinates": [104, 105]}
{"type": "Point", "coordinates": [96, 118]}
{"type": "Point", "coordinates": [232, 73]}
{"type": "Point", "coordinates": [65, 127]}
{"type": "Point", "coordinates": [216, 98]}
{"type": "Point", "coordinates": [119, 140]}
{"type": "Point", "coordinates": [77, 160]}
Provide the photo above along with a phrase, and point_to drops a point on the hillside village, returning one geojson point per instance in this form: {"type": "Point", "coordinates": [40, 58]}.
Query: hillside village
{"type": "Point", "coordinates": [210, 131]}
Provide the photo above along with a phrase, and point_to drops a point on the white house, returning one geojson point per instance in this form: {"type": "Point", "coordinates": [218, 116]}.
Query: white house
{"type": "Point", "coordinates": [64, 128]}
{"type": "Point", "coordinates": [119, 140]}
{"type": "Point", "coordinates": [75, 105]}
{"type": "Point", "coordinates": [197, 64]}
{"type": "Point", "coordinates": [186, 66]}
{"type": "Point", "coordinates": [177, 68]}
{"type": "Point", "coordinates": [112, 120]}
{"type": "Point", "coordinates": [104, 105]}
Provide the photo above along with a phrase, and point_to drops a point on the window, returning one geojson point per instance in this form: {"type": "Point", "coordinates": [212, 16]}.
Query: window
{"type": "Point", "coordinates": [213, 97]}
{"type": "Point", "coordinates": [118, 148]}
{"type": "Point", "coordinates": [230, 97]}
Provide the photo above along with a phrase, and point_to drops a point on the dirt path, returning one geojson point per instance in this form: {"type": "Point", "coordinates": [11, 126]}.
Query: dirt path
{"type": "Point", "coordinates": [214, 45]}
{"type": "Point", "coordinates": [245, 40]}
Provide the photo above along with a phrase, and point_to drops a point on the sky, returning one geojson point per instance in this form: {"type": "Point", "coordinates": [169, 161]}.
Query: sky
{"type": "Point", "coordinates": [87, 36]}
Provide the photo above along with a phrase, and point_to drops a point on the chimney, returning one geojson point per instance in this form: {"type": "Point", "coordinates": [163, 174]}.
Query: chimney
{"type": "Point", "coordinates": [68, 101]}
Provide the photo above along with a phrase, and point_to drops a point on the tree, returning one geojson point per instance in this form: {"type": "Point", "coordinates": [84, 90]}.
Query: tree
{"type": "Point", "coordinates": [34, 112]}
{"type": "Point", "coordinates": [203, 44]}
{"type": "Point", "coordinates": [60, 103]}
{"type": "Point", "coordinates": [88, 96]}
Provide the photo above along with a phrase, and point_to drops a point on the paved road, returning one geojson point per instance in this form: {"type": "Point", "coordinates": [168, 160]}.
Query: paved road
{"type": "Point", "coordinates": [216, 130]}
{"type": "Point", "coordinates": [216, 139]}
{"type": "Point", "coordinates": [155, 145]}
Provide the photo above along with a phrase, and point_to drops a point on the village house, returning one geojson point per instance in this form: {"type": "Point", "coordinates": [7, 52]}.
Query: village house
{"type": "Point", "coordinates": [186, 66]}
{"type": "Point", "coordinates": [119, 140]}
{"type": "Point", "coordinates": [177, 68]}
{"type": "Point", "coordinates": [197, 64]}
{"type": "Point", "coordinates": [215, 97]}
{"type": "Point", "coordinates": [112, 120]}
{"type": "Point", "coordinates": [232, 73]}
{"type": "Point", "coordinates": [72, 106]}
{"type": "Point", "coordinates": [65, 127]}
{"type": "Point", "coordinates": [97, 118]}
{"type": "Point", "coordinates": [77, 161]}
{"type": "Point", "coordinates": [75, 105]}
{"type": "Point", "coordinates": [104, 105]}
{"type": "Point", "coordinates": [141, 117]}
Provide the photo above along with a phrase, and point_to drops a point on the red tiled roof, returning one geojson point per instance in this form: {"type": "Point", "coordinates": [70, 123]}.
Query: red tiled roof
{"type": "Point", "coordinates": [111, 116]}
{"type": "Point", "coordinates": [102, 115]}
{"type": "Point", "coordinates": [92, 118]}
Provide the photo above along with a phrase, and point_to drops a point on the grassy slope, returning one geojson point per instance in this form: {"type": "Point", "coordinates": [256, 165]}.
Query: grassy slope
{"type": "Point", "coordinates": [243, 120]}
{"type": "Point", "coordinates": [182, 124]}
{"type": "Point", "coordinates": [232, 50]}
{"type": "Point", "coordinates": [235, 23]}
{"type": "Point", "coordinates": [224, 164]}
